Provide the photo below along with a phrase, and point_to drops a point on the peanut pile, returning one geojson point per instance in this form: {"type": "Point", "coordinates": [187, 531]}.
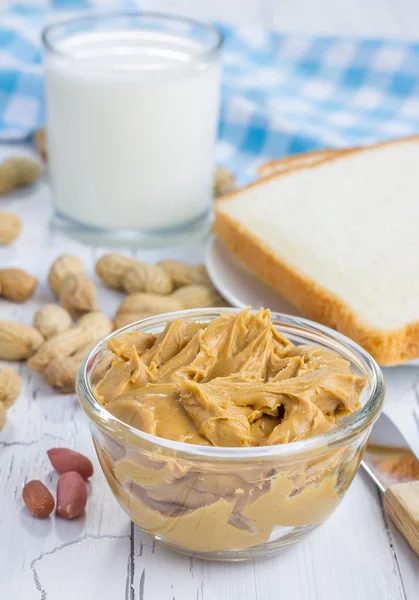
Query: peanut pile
{"type": "Point", "coordinates": [153, 289]}
{"type": "Point", "coordinates": [62, 334]}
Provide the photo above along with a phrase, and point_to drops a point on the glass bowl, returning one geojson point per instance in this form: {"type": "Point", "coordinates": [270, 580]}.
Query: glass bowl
{"type": "Point", "coordinates": [231, 503]}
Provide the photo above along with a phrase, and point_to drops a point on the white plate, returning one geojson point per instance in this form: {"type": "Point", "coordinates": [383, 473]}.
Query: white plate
{"type": "Point", "coordinates": [240, 287]}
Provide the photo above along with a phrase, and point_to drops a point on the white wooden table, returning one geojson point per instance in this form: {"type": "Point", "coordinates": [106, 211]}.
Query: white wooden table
{"type": "Point", "coordinates": [356, 555]}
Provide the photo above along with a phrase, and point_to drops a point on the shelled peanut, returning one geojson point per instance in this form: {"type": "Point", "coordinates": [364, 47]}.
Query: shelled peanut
{"type": "Point", "coordinates": [71, 495]}
{"type": "Point", "coordinates": [38, 499]}
{"type": "Point", "coordinates": [74, 469]}
{"type": "Point", "coordinates": [69, 282]}
{"type": "Point", "coordinates": [65, 460]}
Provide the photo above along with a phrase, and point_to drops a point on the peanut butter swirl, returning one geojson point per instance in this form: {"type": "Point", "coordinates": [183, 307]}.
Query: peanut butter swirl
{"type": "Point", "coordinates": [235, 381]}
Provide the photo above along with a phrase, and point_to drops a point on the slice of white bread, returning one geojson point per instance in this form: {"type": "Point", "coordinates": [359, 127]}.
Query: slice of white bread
{"type": "Point", "coordinates": [340, 240]}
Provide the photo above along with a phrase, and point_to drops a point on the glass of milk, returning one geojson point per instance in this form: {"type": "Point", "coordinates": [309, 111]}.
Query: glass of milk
{"type": "Point", "coordinates": [132, 116]}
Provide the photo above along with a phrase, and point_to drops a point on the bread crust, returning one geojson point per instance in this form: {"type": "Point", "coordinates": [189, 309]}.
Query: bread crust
{"type": "Point", "coordinates": [279, 165]}
{"type": "Point", "coordinates": [388, 347]}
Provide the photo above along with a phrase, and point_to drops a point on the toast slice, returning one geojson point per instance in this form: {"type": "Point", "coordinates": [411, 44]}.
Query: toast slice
{"type": "Point", "coordinates": [340, 240]}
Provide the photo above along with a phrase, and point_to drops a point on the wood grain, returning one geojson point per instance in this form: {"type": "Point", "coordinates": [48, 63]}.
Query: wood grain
{"type": "Point", "coordinates": [401, 502]}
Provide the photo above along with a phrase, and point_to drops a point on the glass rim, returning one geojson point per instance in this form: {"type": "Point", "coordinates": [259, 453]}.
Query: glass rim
{"type": "Point", "coordinates": [351, 427]}
{"type": "Point", "coordinates": [206, 54]}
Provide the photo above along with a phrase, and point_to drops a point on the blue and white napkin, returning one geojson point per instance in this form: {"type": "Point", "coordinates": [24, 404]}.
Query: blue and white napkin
{"type": "Point", "coordinates": [282, 94]}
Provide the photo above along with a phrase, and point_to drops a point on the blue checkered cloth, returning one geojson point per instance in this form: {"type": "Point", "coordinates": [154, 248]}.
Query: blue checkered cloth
{"type": "Point", "coordinates": [282, 94]}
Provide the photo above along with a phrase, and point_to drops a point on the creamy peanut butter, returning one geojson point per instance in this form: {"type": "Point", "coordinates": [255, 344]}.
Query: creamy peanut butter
{"type": "Point", "coordinates": [233, 382]}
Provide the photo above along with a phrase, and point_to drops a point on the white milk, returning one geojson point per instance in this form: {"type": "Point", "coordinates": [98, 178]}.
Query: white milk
{"type": "Point", "coordinates": [132, 123]}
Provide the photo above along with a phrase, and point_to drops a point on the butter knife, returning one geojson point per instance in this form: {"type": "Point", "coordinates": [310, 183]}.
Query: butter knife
{"type": "Point", "coordinates": [394, 468]}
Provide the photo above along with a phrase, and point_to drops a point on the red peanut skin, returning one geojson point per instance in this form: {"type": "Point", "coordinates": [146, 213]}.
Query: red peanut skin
{"type": "Point", "coordinates": [38, 499]}
{"type": "Point", "coordinates": [71, 495]}
{"type": "Point", "coordinates": [64, 460]}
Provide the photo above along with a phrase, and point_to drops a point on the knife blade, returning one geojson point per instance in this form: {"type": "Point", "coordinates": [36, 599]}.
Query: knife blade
{"type": "Point", "coordinates": [394, 468]}
{"type": "Point", "coordinates": [388, 458]}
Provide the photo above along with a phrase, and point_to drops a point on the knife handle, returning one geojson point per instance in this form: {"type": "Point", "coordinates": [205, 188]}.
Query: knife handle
{"type": "Point", "coordinates": [401, 502]}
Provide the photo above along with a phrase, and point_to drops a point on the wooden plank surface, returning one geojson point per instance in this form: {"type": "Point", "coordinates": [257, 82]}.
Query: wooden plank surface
{"type": "Point", "coordinates": [353, 554]}
{"type": "Point", "coordinates": [356, 555]}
